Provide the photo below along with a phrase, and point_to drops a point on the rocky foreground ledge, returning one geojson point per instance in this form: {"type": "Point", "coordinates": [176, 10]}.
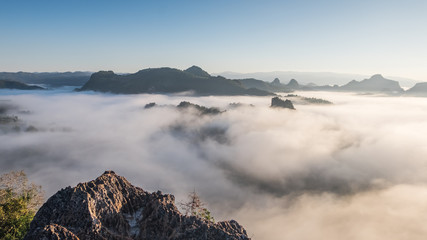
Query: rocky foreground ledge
{"type": "Point", "coordinates": [112, 208]}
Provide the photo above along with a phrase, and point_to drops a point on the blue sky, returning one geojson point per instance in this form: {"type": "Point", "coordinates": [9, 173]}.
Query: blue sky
{"type": "Point", "coordinates": [364, 37]}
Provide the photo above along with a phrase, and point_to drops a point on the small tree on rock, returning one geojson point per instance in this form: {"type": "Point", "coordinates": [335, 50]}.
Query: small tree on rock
{"type": "Point", "coordinates": [195, 207]}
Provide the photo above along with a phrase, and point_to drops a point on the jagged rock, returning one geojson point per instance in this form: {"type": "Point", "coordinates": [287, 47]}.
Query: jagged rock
{"type": "Point", "coordinates": [109, 207]}
{"type": "Point", "coordinates": [277, 102]}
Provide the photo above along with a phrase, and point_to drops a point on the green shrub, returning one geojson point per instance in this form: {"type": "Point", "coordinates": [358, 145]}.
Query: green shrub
{"type": "Point", "coordinates": [18, 203]}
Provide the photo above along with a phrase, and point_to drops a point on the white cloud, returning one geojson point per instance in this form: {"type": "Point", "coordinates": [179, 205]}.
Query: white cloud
{"type": "Point", "coordinates": [350, 170]}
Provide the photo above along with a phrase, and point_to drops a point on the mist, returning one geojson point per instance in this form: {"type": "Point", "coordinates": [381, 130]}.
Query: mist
{"type": "Point", "coordinates": [351, 170]}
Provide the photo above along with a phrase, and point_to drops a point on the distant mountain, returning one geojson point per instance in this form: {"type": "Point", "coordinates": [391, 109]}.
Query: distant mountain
{"type": "Point", "coordinates": [376, 83]}
{"type": "Point", "coordinates": [276, 82]}
{"type": "Point", "coordinates": [293, 84]}
{"type": "Point", "coordinates": [266, 86]}
{"type": "Point", "coordinates": [304, 78]}
{"type": "Point", "coordinates": [168, 80]}
{"type": "Point", "coordinates": [195, 70]}
{"type": "Point", "coordinates": [54, 79]}
{"type": "Point", "coordinates": [17, 85]}
{"type": "Point", "coordinates": [420, 89]}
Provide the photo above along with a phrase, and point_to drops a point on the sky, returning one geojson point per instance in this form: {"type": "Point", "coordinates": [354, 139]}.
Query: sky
{"type": "Point", "coordinates": [363, 37]}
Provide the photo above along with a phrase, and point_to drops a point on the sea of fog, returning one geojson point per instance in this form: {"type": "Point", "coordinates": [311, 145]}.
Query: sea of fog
{"type": "Point", "coordinates": [355, 169]}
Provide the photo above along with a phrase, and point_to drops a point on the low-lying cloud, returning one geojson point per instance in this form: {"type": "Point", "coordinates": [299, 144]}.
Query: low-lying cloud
{"type": "Point", "coordinates": [351, 170]}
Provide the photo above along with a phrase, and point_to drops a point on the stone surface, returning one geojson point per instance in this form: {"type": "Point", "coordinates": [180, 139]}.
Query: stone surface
{"type": "Point", "coordinates": [109, 207]}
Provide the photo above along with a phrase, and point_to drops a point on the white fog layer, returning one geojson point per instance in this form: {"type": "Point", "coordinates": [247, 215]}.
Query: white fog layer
{"type": "Point", "coordinates": [355, 169]}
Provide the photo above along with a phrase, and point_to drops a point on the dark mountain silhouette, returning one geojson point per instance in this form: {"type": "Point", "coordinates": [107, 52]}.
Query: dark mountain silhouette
{"type": "Point", "coordinates": [376, 83]}
{"type": "Point", "coordinates": [112, 208]}
{"type": "Point", "coordinates": [266, 86]}
{"type": "Point", "coordinates": [17, 85]}
{"type": "Point", "coordinates": [201, 109]}
{"type": "Point", "coordinates": [167, 80]}
{"type": "Point", "coordinates": [276, 102]}
{"type": "Point", "coordinates": [195, 70]}
{"type": "Point", "coordinates": [53, 79]}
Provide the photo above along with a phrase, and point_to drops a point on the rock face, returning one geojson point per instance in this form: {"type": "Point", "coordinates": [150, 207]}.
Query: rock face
{"type": "Point", "coordinates": [277, 102]}
{"type": "Point", "coordinates": [111, 208]}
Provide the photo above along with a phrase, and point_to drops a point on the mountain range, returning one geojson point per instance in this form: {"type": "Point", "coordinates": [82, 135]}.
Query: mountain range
{"type": "Point", "coordinates": [307, 78]}
{"type": "Point", "coordinates": [51, 79]}
{"type": "Point", "coordinates": [195, 80]}
{"type": "Point", "coordinates": [168, 80]}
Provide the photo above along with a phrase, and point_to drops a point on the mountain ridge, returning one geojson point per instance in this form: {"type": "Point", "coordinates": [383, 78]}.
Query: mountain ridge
{"type": "Point", "coordinates": [167, 80]}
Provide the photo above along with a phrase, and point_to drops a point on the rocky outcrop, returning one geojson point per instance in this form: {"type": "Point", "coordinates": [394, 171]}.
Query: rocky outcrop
{"type": "Point", "coordinates": [277, 102]}
{"type": "Point", "coordinates": [202, 110]}
{"type": "Point", "coordinates": [111, 208]}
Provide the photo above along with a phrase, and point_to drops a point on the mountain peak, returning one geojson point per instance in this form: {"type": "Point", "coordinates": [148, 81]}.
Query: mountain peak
{"type": "Point", "coordinates": [377, 76]}
{"type": "Point", "coordinates": [110, 207]}
{"type": "Point", "coordinates": [276, 81]}
{"type": "Point", "coordinates": [198, 71]}
{"type": "Point", "coordinates": [376, 83]}
{"type": "Point", "coordinates": [293, 84]}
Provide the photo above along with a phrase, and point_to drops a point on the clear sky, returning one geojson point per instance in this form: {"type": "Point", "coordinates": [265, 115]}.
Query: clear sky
{"type": "Point", "coordinates": [364, 36]}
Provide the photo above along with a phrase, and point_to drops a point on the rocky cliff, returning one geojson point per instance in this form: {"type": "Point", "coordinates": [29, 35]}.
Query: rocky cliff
{"type": "Point", "coordinates": [111, 208]}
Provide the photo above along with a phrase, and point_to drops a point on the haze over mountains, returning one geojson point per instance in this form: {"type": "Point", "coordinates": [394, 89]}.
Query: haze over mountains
{"type": "Point", "coordinates": [318, 78]}
{"type": "Point", "coordinates": [53, 79]}
{"type": "Point", "coordinates": [195, 80]}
